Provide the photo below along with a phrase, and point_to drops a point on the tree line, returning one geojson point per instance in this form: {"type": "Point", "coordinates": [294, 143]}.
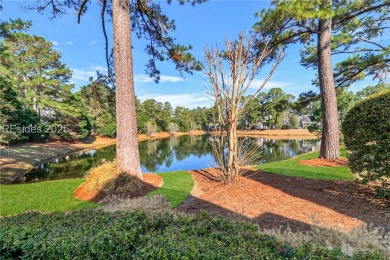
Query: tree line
{"type": "Point", "coordinates": [35, 91]}
{"type": "Point", "coordinates": [37, 101]}
{"type": "Point", "coordinates": [348, 29]}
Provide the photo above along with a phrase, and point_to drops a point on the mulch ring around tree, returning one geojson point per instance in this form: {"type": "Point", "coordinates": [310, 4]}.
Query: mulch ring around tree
{"type": "Point", "coordinates": [98, 189]}
{"type": "Point", "coordinates": [341, 162]}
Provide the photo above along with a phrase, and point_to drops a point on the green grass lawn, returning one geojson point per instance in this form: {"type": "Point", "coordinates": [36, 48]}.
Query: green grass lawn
{"type": "Point", "coordinates": [177, 186]}
{"type": "Point", "coordinates": [50, 196]}
{"type": "Point", "coordinates": [291, 167]}
{"type": "Point", "coordinates": [47, 196]}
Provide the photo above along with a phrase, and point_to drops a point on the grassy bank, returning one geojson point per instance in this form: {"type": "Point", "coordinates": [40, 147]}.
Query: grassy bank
{"type": "Point", "coordinates": [53, 196]}
{"type": "Point", "coordinates": [292, 167]}
{"type": "Point", "coordinates": [177, 186]}
{"type": "Point", "coordinates": [48, 196]}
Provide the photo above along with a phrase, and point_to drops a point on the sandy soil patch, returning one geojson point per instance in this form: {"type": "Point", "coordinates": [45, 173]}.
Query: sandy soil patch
{"type": "Point", "coordinates": [272, 200]}
{"type": "Point", "coordinates": [289, 134]}
{"type": "Point", "coordinates": [161, 135]}
{"type": "Point", "coordinates": [272, 134]}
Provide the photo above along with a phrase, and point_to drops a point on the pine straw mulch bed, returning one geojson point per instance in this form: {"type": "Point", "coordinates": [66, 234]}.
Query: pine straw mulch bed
{"type": "Point", "coordinates": [341, 162]}
{"type": "Point", "coordinates": [273, 201]}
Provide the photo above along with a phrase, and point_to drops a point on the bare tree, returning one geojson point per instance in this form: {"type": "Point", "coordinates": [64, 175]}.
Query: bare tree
{"type": "Point", "coordinates": [231, 73]}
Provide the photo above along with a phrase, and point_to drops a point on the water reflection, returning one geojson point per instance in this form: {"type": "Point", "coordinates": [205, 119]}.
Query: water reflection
{"type": "Point", "coordinates": [176, 153]}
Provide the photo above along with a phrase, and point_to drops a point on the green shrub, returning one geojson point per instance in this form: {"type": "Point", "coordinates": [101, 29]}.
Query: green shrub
{"type": "Point", "coordinates": [94, 234]}
{"type": "Point", "coordinates": [294, 121]}
{"type": "Point", "coordinates": [366, 131]}
{"type": "Point", "coordinates": [315, 129]}
{"type": "Point", "coordinates": [383, 192]}
{"type": "Point", "coordinates": [108, 130]}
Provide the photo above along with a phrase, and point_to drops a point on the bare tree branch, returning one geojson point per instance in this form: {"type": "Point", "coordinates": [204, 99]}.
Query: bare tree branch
{"type": "Point", "coordinates": [81, 10]}
{"type": "Point", "coordinates": [104, 5]}
{"type": "Point", "coordinates": [347, 17]}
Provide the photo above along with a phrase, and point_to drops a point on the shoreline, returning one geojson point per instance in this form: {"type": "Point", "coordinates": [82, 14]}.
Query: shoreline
{"type": "Point", "coordinates": [20, 158]}
{"type": "Point", "coordinates": [288, 134]}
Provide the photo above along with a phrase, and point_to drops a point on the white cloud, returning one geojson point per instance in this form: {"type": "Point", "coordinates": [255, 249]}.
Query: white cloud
{"type": "Point", "coordinates": [143, 78]}
{"type": "Point", "coordinates": [184, 100]}
{"type": "Point", "coordinates": [55, 43]}
{"type": "Point", "coordinates": [84, 75]}
{"type": "Point", "coordinates": [100, 68]}
{"type": "Point", "coordinates": [69, 43]}
{"type": "Point", "coordinates": [270, 84]}
{"type": "Point", "coordinates": [93, 42]}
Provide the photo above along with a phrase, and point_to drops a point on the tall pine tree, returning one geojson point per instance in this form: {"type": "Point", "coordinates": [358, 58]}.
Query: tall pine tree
{"type": "Point", "coordinates": [326, 27]}
{"type": "Point", "coordinates": [147, 20]}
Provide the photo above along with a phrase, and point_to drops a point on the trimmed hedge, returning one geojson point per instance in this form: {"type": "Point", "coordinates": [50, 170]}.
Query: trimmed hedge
{"type": "Point", "coordinates": [366, 131]}
{"type": "Point", "coordinates": [94, 234]}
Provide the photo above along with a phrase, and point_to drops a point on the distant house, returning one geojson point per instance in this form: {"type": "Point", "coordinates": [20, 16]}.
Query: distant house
{"type": "Point", "coordinates": [212, 127]}
{"type": "Point", "coordinates": [305, 121]}
{"type": "Point", "coordinates": [259, 126]}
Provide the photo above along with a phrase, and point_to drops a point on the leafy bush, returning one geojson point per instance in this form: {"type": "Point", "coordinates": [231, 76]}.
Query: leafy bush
{"type": "Point", "coordinates": [314, 128]}
{"type": "Point", "coordinates": [151, 128]}
{"type": "Point", "coordinates": [108, 130]}
{"type": "Point", "coordinates": [366, 131]}
{"type": "Point", "coordinates": [172, 127]}
{"type": "Point", "coordinates": [294, 121]}
{"type": "Point", "coordinates": [383, 192]}
{"type": "Point", "coordinates": [96, 234]}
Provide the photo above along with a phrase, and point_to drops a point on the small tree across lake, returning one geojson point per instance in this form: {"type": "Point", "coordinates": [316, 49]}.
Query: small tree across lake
{"type": "Point", "coordinates": [231, 73]}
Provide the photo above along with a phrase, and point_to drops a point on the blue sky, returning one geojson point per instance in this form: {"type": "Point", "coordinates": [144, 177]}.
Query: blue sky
{"type": "Point", "coordinates": [209, 24]}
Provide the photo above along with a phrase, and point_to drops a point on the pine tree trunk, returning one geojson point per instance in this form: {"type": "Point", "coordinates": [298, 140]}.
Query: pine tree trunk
{"type": "Point", "coordinates": [330, 126]}
{"type": "Point", "coordinates": [127, 144]}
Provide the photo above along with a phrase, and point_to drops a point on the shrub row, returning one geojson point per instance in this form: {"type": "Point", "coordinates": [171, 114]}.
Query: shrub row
{"type": "Point", "coordinates": [94, 234]}
{"type": "Point", "coordinates": [366, 130]}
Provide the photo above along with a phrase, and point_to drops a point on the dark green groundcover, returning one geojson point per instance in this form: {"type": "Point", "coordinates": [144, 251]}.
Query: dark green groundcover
{"type": "Point", "coordinates": [94, 234]}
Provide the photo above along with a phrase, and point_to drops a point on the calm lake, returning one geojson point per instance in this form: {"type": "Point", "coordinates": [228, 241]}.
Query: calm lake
{"type": "Point", "coordinates": [162, 155]}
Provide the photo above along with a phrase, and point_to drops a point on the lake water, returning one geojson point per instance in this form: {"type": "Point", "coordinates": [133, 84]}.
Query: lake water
{"type": "Point", "coordinates": [162, 155]}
